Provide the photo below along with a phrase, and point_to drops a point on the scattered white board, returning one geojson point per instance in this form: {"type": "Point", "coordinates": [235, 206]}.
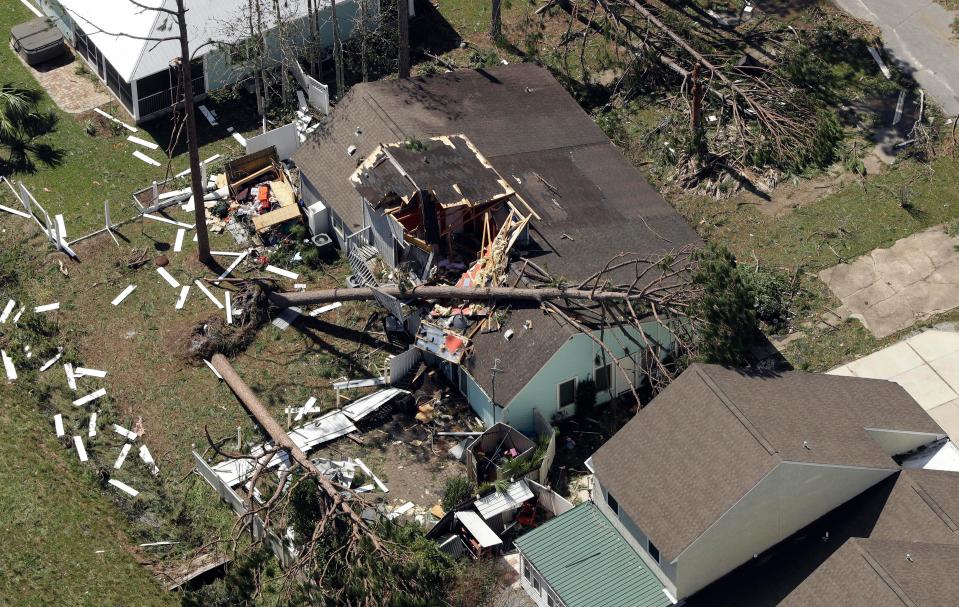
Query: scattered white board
{"type": "Point", "coordinates": [229, 309]}
{"type": "Point", "coordinates": [147, 458]}
{"type": "Point", "coordinates": [173, 282]}
{"type": "Point", "coordinates": [212, 368]}
{"type": "Point", "coordinates": [199, 284]}
{"type": "Point", "coordinates": [305, 408]}
{"type": "Point", "coordinates": [52, 361]}
{"type": "Point", "coordinates": [326, 308]}
{"type": "Point", "coordinates": [124, 432]}
{"type": "Point", "coordinates": [92, 430]}
{"type": "Point", "coordinates": [162, 219]}
{"type": "Point", "coordinates": [122, 457]}
{"type": "Point", "coordinates": [145, 158]}
{"type": "Point", "coordinates": [85, 372]}
{"type": "Point", "coordinates": [184, 291]}
{"type": "Point", "coordinates": [282, 272]}
{"type": "Point", "coordinates": [123, 295]}
{"type": "Point", "coordinates": [124, 487]}
{"type": "Point", "coordinates": [71, 378]}
{"type": "Point", "coordinates": [81, 450]}
{"type": "Point", "coordinates": [58, 424]}
{"type": "Point", "coordinates": [8, 367]}
{"type": "Point", "coordinates": [89, 398]}
{"type": "Point", "coordinates": [7, 310]}
{"type": "Point", "coordinates": [178, 243]}
{"type": "Point", "coordinates": [61, 226]}
{"type": "Point", "coordinates": [143, 142]}
{"type": "Point", "coordinates": [47, 308]}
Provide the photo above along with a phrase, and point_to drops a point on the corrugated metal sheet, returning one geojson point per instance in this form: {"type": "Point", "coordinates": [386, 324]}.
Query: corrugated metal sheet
{"type": "Point", "coordinates": [360, 408]}
{"type": "Point", "coordinates": [478, 529]}
{"type": "Point", "coordinates": [498, 501]}
{"type": "Point", "coordinates": [587, 562]}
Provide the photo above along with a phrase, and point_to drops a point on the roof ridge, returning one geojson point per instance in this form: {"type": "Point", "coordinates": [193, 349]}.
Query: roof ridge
{"type": "Point", "coordinates": [933, 505]}
{"type": "Point", "coordinates": [736, 411]}
{"type": "Point", "coordinates": [884, 576]}
{"type": "Point", "coordinates": [159, 11]}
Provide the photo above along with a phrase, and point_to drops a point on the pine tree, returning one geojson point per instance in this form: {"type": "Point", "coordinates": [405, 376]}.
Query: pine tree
{"type": "Point", "coordinates": [726, 322]}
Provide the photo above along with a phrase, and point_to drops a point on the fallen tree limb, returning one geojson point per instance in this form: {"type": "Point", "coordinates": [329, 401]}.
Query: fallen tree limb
{"type": "Point", "coordinates": [449, 292]}
{"type": "Point", "coordinates": [337, 505]}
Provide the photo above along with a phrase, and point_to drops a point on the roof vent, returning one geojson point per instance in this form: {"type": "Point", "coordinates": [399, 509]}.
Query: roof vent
{"type": "Point", "coordinates": [909, 557]}
{"type": "Point", "coordinates": [805, 445]}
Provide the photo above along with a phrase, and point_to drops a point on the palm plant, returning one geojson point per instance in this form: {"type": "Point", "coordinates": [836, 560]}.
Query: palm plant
{"type": "Point", "coordinates": [22, 123]}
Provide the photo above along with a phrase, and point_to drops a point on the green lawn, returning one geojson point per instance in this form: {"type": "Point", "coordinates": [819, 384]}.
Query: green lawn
{"type": "Point", "coordinates": [100, 168]}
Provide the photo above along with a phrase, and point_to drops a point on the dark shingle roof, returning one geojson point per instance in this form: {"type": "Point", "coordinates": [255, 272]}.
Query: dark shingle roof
{"type": "Point", "coordinates": [588, 563]}
{"type": "Point", "coordinates": [712, 435]}
{"type": "Point", "coordinates": [532, 131]}
{"type": "Point", "coordinates": [798, 571]}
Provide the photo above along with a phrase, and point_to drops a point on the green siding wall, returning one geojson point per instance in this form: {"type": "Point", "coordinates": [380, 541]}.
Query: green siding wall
{"type": "Point", "coordinates": [577, 358]}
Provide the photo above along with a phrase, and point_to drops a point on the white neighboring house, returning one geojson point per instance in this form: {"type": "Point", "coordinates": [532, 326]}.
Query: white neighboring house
{"type": "Point", "coordinates": [138, 71]}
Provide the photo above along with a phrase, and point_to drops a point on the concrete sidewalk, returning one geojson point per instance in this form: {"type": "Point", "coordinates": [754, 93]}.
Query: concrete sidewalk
{"type": "Point", "coordinates": [918, 34]}
{"type": "Point", "coordinates": [926, 366]}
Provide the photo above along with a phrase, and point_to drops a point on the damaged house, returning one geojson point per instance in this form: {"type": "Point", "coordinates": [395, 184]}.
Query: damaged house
{"type": "Point", "coordinates": [463, 178]}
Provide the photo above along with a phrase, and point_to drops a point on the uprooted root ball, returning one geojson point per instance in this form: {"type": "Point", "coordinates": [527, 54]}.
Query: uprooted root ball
{"type": "Point", "coordinates": [250, 311]}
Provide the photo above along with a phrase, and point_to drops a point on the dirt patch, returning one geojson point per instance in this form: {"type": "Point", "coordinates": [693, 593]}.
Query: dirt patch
{"type": "Point", "coordinates": [787, 197]}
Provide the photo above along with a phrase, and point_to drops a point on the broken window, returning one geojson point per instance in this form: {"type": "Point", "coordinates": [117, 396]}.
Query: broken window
{"type": "Point", "coordinates": [567, 393]}
{"type": "Point", "coordinates": [603, 376]}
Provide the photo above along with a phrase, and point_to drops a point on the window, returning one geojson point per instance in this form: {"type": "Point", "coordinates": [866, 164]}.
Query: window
{"type": "Point", "coordinates": [567, 393]}
{"type": "Point", "coordinates": [527, 571]}
{"type": "Point", "coordinates": [654, 551]}
{"type": "Point", "coordinates": [536, 586]}
{"type": "Point", "coordinates": [613, 504]}
{"type": "Point", "coordinates": [549, 600]}
{"type": "Point", "coordinates": [603, 376]}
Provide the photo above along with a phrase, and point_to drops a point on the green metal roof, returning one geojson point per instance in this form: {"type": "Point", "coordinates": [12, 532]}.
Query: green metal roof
{"type": "Point", "coordinates": [588, 563]}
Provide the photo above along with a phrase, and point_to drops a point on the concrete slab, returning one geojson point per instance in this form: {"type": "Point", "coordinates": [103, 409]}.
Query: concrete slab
{"type": "Point", "coordinates": [948, 368]}
{"type": "Point", "coordinates": [887, 363]}
{"type": "Point", "coordinates": [888, 290]}
{"type": "Point", "coordinates": [926, 387]}
{"type": "Point", "coordinates": [947, 416]}
{"type": "Point", "coordinates": [932, 345]}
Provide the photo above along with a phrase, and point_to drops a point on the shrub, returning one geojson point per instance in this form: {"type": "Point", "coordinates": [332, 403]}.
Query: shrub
{"type": "Point", "coordinates": [458, 489]}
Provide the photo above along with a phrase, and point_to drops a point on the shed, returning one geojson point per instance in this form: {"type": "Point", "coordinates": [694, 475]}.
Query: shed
{"type": "Point", "coordinates": [493, 449]}
{"type": "Point", "coordinates": [499, 502]}
{"type": "Point", "coordinates": [484, 536]}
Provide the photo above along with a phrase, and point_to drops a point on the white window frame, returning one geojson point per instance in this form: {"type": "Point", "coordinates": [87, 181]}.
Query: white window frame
{"type": "Point", "coordinates": [559, 404]}
{"type": "Point", "coordinates": [609, 384]}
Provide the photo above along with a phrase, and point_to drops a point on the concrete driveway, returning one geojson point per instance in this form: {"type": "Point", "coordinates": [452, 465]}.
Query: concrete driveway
{"type": "Point", "coordinates": [917, 33]}
{"type": "Point", "coordinates": [926, 366]}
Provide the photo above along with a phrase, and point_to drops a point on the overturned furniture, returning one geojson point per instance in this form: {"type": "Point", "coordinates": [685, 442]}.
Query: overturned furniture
{"type": "Point", "coordinates": [495, 453]}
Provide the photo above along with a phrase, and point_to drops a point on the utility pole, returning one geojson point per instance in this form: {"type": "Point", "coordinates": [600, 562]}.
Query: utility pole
{"type": "Point", "coordinates": [186, 80]}
{"type": "Point", "coordinates": [403, 9]}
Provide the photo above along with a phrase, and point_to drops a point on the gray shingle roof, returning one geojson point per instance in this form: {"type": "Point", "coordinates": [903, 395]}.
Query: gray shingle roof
{"type": "Point", "coordinates": [712, 435]}
{"type": "Point", "coordinates": [588, 563]}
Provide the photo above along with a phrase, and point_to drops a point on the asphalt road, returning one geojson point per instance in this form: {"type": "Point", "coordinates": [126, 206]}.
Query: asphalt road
{"type": "Point", "coordinates": [918, 34]}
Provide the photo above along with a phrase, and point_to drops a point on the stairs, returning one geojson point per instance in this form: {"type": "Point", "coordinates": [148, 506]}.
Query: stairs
{"type": "Point", "coordinates": [360, 257]}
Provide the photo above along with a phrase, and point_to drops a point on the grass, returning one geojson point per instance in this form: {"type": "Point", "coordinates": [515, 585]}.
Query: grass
{"type": "Point", "coordinates": [95, 169]}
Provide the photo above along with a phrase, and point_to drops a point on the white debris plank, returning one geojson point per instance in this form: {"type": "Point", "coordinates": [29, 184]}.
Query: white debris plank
{"type": "Point", "coordinates": [211, 159]}
{"type": "Point", "coordinates": [229, 309]}
{"type": "Point", "coordinates": [184, 291]}
{"type": "Point", "coordinates": [178, 243]}
{"type": "Point", "coordinates": [61, 226]}
{"type": "Point", "coordinates": [306, 411]}
{"type": "Point", "coordinates": [163, 219]}
{"type": "Point", "coordinates": [233, 265]}
{"type": "Point", "coordinates": [71, 378]}
{"type": "Point", "coordinates": [85, 372]}
{"type": "Point", "coordinates": [8, 367]}
{"type": "Point", "coordinates": [123, 295]}
{"type": "Point", "coordinates": [81, 449]}
{"type": "Point", "coordinates": [145, 158]}
{"type": "Point", "coordinates": [212, 368]}
{"type": "Point", "coordinates": [882, 64]}
{"type": "Point", "coordinates": [23, 214]}
{"type": "Point", "coordinates": [286, 318]}
{"type": "Point", "coordinates": [282, 272]}
{"type": "Point", "coordinates": [16, 317]}
{"type": "Point", "coordinates": [173, 282]}
{"type": "Point", "coordinates": [7, 310]}
{"type": "Point", "coordinates": [89, 398]}
{"type": "Point", "coordinates": [122, 457]}
{"type": "Point", "coordinates": [143, 142]}
{"type": "Point", "coordinates": [124, 432]}
{"type": "Point", "coordinates": [203, 288]}
{"type": "Point", "coordinates": [58, 424]}
{"type": "Point", "coordinates": [147, 458]}
{"type": "Point", "coordinates": [92, 430]}
{"type": "Point", "coordinates": [350, 384]}
{"type": "Point", "coordinates": [239, 138]}
{"type": "Point", "coordinates": [109, 117]}
{"type": "Point", "coordinates": [52, 361]}
{"type": "Point", "coordinates": [303, 410]}
{"type": "Point", "coordinates": [124, 487]}
{"type": "Point", "coordinates": [226, 253]}
{"type": "Point", "coordinates": [47, 308]}
{"type": "Point", "coordinates": [370, 474]}
{"type": "Point", "coordinates": [326, 308]}
{"type": "Point", "coordinates": [208, 115]}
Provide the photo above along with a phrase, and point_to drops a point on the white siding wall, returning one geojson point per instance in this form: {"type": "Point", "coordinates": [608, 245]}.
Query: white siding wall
{"type": "Point", "coordinates": [790, 497]}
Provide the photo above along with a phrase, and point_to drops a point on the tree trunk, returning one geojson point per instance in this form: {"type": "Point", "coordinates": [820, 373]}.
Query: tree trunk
{"type": "Point", "coordinates": [496, 21]}
{"type": "Point", "coordinates": [197, 186]}
{"type": "Point", "coordinates": [364, 63]}
{"type": "Point", "coordinates": [282, 439]}
{"type": "Point", "coordinates": [337, 53]}
{"type": "Point", "coordinates": [448, 293]}
{"type": "Point", "coordinates": [403, 25]}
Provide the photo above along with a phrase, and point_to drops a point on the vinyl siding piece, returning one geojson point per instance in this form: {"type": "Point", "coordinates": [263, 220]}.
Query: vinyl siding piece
{"type": "Point", "coordinates": [587, 562]}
